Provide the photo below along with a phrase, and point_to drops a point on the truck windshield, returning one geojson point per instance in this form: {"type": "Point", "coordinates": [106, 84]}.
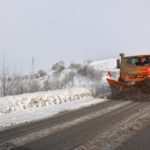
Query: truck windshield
{"type": "Point", "coordinates": [138, 61]}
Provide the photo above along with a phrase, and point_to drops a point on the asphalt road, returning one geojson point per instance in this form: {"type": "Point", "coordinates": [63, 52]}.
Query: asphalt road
{"type": "Point", "coordinates": [140, 141]}
{"type": "Point", "coordinates": [70, 130]}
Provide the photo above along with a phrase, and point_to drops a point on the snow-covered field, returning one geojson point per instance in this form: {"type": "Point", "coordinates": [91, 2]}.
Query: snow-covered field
{"type": "Point", "coordinates": [31, 107]}
{"type": "Point", "coordinates": [22, 105]}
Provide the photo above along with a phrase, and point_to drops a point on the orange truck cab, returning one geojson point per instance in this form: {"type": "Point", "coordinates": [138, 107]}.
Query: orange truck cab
{"type": "Point", "coordinates": [134, 72]}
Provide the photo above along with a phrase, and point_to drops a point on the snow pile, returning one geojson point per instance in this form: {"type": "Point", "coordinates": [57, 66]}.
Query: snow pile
{"type": "Point", "coordinates": [25, 116]}
{"type": "Point", "coordinates": [11, 104]}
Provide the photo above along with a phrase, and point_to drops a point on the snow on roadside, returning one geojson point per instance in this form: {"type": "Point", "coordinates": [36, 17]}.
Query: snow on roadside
{"type": "Point", "coordinates": [25, 116]}
{"type": "Point", "coordinates": [11, 104]}
{"type": "Point", "coordinates": [30, 107]}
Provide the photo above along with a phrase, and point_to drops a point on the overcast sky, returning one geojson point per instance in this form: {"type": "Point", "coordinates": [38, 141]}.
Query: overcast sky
{"type": "Point", "coordinates": [72, 30]}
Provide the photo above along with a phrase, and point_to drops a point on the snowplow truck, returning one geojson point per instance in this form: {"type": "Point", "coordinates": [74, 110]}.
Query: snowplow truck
{"type": "Point", "coordinates": [134, 78]}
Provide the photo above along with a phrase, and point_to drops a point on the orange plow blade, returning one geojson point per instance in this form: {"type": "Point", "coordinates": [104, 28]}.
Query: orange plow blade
{"type": "Point", "coordinates": [139, 91]}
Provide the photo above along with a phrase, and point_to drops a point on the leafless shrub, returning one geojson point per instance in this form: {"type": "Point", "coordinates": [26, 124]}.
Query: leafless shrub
{"type": "Point", "coordinates": [14, 84]}
{"type": "Point", "coordinates": [83, 70]}
{"type": "Point", "coordinates": [69, 78]}
{"type": "Point", "coordinates": [46, 85]}
{"type": "Point", "coordinates": [55, 83]}
{"type": "Point", "coordinates": [17, 85]}
{"type": "Point", "coordinates": [75, 66]}
{"type": "Point", "coordinates": [51, 84]}
{"type": "Point", "coordinates": [58, 67]}
{"type": "Point", "coordinates": [90, 72]}
{"type": "Point", "coordinates": [34, 86]}
{"type": "Point", "coordinates": [40, 73]}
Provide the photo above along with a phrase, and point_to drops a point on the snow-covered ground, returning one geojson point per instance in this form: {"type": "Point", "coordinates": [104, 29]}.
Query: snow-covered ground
{"type": "Point", "coordinates": [11, 104]}
{"type": "Point", "coordinates": [24, 116]}
{"type": "Point", "coordinates": [31, 107]}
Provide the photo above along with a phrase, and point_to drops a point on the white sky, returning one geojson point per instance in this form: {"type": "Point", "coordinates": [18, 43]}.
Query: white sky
{"type": "Point", "coordinates": [71, 30]}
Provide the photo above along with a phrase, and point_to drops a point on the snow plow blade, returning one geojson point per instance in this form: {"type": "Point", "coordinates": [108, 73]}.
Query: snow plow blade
{"type": "Point", "coordinates": [138, 91]}
{"type": "Point", "coordinates": [144, 85]}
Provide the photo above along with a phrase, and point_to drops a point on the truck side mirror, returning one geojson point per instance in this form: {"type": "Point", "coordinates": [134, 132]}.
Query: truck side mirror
{"type": "Point", "coordinates": [122, 54]}
{"type": "Point", "coordinates": [118, 63]}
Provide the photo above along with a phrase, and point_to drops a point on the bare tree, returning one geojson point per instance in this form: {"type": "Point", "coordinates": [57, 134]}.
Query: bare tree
{"type": "Point", "coordinates": [4, 78]}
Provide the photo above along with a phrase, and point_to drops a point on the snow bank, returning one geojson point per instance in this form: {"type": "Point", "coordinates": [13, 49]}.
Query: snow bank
{"type": "Point", "coordinates": [37, 100]}
{"type": "Point", "coordinates": [25, 116]}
